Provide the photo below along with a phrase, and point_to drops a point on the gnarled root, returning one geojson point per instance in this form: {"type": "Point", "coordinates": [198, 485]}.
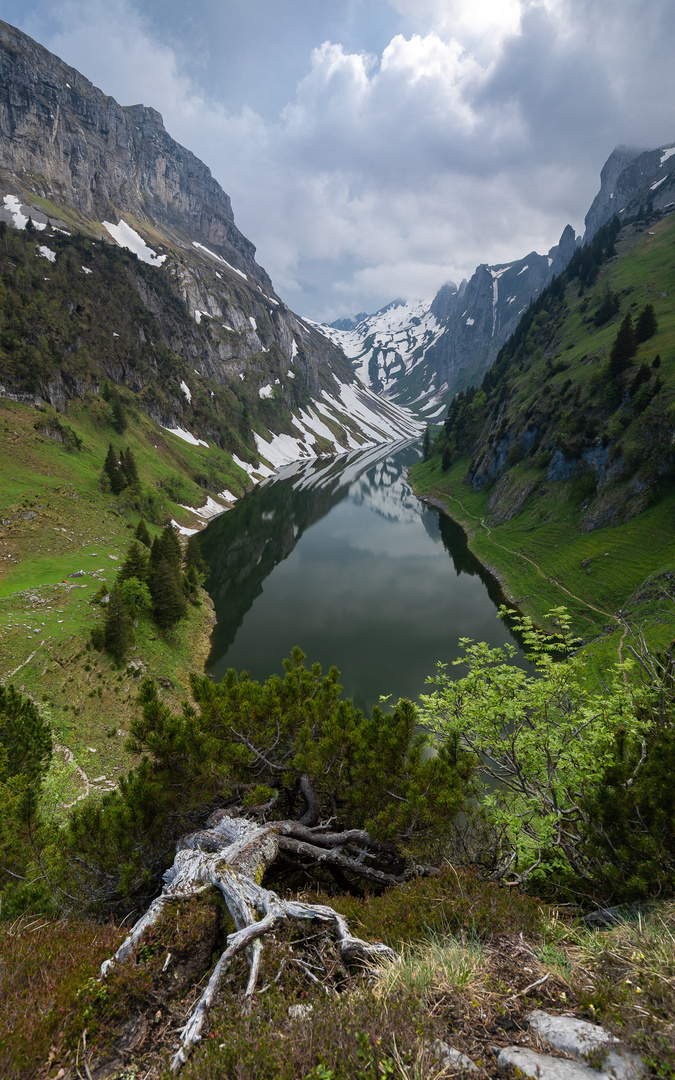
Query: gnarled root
{"type": "Point", "coordinates": [232, 855]}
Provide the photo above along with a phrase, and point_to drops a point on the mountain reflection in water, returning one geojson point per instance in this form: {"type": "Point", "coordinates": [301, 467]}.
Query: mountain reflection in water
{"type": "Point", "coordinates": [340, 558]}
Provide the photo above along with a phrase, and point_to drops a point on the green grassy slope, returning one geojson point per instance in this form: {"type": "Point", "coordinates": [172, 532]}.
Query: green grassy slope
{"type": "Point", "coordinates": [56, 522]}
{"type": "Point", "coordinates": [599, 539]}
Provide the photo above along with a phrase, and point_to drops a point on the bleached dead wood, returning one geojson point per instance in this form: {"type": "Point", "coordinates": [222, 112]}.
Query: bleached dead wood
{"type": "Point", "coordinates": [232, 855]}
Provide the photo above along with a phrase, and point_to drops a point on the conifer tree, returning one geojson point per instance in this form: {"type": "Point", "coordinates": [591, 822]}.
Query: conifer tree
{"type": "Point", "coordinates": [623, 349]}
{"type": "Point", "coordinates": [118, 629]}
{"type": "Point", "coordinates": [195, 559]}
{"type": "Point", "coordinates": [113, 471]}
{"type": "Point", "coordinates": [135, 563]}
{"type": "Point", "coordinates": [130, 469]}
{"type": "Point", "coordinates": [426, 443]}
{"type": "Point", "coordinates": [119, 415]}
{"type": "Point", "coordinates": [142, 534]}
{"type": "Point", "coordinates": [167, 594]}
{"type": "Point", "coordinates": [170, 546]}
{"type": "Point", "coordinates": [645, 327]}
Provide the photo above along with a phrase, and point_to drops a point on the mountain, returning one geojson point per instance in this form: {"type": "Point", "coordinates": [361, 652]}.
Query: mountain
{"type": "Point", "coordinates": [584, 391]}
{"type": "Point", "coordinates": [630, 180]}
{"type": "Point", "coordinates": [203, 344]}
{"type": "Point", "coordinates": [561, 464]}
{"type": "Point", "coordinates": [420, 354]}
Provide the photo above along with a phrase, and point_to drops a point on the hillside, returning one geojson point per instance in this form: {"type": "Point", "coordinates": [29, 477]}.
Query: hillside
{"type": "Point", "coordinates": [561, 463]}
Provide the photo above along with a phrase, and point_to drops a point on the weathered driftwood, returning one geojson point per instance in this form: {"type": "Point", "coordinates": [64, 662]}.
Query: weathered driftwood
{"type": "Point", "coordinates": [232, 855]}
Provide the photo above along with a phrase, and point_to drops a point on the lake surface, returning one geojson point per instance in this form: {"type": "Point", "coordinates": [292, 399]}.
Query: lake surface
{"type": "Point", "coordinates": [339, 557]}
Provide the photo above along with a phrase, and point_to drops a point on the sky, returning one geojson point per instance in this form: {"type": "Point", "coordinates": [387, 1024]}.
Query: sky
{"type": "Point", "coordinates": [378, 148]}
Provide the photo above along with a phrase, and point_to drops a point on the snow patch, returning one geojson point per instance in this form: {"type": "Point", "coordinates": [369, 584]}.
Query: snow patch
{"type": "Point", "coordinates": [209, 510]}
{"type": "Point", "coordinates": [291, 374]}
{"type": "Point", "coordinates": [128, 238]}
{"type": "Point", "coordinates": [242, 376]}
{"type": "Point", "coordinates": [260, 469]}
{"type": "Point", "coordinates": [218, 258]}
{"type": "Point", "coordinates": [46, 253]}
{"type": "Point", "coordinates": [265, 391]}
{"type": "Point", "coordinates": [186, 436]}
{"type": "Point", "coordinates": [470, 322]}
{"type": "Point", "coordinates": [294, 349]}
{"type": "Point", "coordinates": [186, 390]}
{"type": "Point", "coordinates": [526, 267]}
{"type": "Point", "coordinates": [182, 529]}
{"type": "Point", "coordinates": [86, 270]}
{"type": "Point", "coordinates": [253, 322]}
{"type": "Point", "coordinates": [14, 206]}
{"type": "Point", "coordinates": [658, 182]}
{"type": "Point", "coordinates": [665, 154]}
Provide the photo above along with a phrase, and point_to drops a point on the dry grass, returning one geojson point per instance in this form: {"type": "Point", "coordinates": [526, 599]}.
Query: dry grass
{"type": "Point", "coordinates": [428, 969]}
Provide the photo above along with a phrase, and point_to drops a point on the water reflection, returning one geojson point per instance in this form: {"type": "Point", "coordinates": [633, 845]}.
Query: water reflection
{"type": "Point", "coordinates": [340, 558]}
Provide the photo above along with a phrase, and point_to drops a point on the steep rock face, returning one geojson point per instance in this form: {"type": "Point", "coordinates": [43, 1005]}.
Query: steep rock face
{"type": "Point", "coordinates": [422, 354]}
{"type": "Point", "coordinates": [76, 162]}
{"type": "Point", "coordinates": [631, 179]}
{"type": "Point", "coordinates": [72, 143]}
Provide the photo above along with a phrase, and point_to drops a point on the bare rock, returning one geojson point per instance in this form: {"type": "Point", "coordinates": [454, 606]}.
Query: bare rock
{"type": "Point", "coordinates": [452, 1058]}
{"type": "Point", "coordinates": [523, 1062]}
{"type": "Point", "coordinates": [588, 1042]}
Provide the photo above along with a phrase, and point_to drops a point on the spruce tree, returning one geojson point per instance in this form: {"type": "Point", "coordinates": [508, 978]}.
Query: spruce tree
{"type": "Point", "coordinates": [170, 546]}
{"type": "Point", "coordinates": [426, 443]}
{"type": "Point", "coordinates": [130, 469]}
{"type": "Point", "coordinates": [645, 327]}
{"type": "Point", "coordinates": [169, 602]}
{"type": "Point", "coordinates": [113, 471]}
{"type": "Point", "coordinates": [194, 558]}
{"type": "Point", "coordinates": [142, 534]}
{"type": "Point", "coordinates": [118, 629]}
{"type": "Point", "coordinates": [623, 349]}
{"type": "Point", "coordinates": [135, 563]}
{"type": "Point", "coordinates": [119, 415]}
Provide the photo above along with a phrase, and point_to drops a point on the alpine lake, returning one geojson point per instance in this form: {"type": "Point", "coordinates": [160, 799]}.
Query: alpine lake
{"type": "Point", "coordinates": [339, 557]}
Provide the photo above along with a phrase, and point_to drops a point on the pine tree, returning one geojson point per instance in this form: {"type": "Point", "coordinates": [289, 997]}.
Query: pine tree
{"type": "Point", "coordinates": [646, 324]}
{"type": "Point", "coordinates": [142, 534]}
{"type": "Point", "coordinates": [194, 558]}
{"type": "Point", "coordinates": [119, 415]}
{"type": "Point", "coordinates": [167, 594]}
{"type": "Point", "coordinates": [135, 563]}
{"type": "Point", "coordinates": [130, 469]}
{"type": "Point", "coordinates": [118, 629]}
{"type": "Point", "coordinates": [426, 443]}
{"type": "Point", "coordinates": [170, 546]}
{"type": "Point", "coordinates": [623, 349]}
{"type": "Point", "coordinates": [113, 471]}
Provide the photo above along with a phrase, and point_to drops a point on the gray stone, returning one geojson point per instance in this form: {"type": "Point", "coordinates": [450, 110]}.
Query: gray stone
{"type": "Point", "coordinates": [452, 1058]}
{"type": "Point", "coordinates": [588, 1042]}
{"type": "Point", "coordinates": [527, 1063]}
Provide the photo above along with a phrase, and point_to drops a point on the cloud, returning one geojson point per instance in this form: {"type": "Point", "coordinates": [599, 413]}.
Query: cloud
{"type": "Point", "coordinates": [471, 135]}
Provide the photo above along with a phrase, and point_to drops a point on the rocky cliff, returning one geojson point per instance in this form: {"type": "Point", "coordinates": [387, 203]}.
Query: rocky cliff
{"type": "Point", "coordinates": [630, 180]}
{"type": "Point", "coordinates": [66, 141]}
{"type": "Point", "coordinates": [75, 162]}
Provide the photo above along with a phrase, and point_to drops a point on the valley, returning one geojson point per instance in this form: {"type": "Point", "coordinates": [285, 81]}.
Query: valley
{"type": "Point", "coordinates": [283, 793]}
